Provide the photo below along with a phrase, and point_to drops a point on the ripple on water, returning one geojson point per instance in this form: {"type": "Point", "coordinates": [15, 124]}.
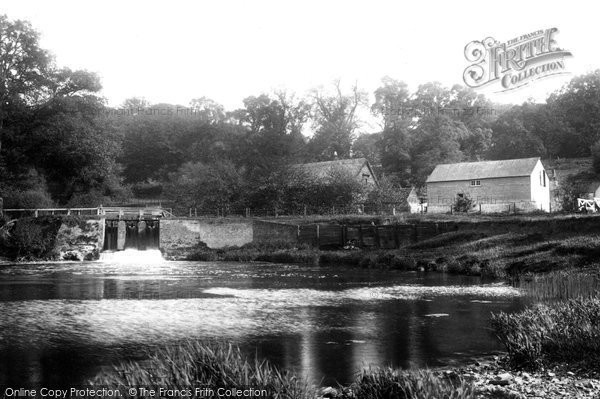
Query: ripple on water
{"type": "Point", "coordinates": [227, 313]}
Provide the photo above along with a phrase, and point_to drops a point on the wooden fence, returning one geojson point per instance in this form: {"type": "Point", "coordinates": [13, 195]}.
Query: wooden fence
{"type": "Point", "coordinates": [333, 235]}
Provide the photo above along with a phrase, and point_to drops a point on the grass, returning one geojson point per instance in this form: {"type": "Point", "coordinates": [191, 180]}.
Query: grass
{"type": "Point", "coordinates": [213, 365]}
{"type": "Point", "coordinates": [420, 384]}
{"type": "Point", "coordinates": [560, 285]}
{"type": "Point", "coordinates": [218, 365]}
{"type": "Point", "coordinates": [567, 331]}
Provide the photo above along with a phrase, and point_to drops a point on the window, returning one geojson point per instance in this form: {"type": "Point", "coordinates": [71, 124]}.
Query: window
{"type": "Point", "coordinates": [476, 182]}
{"type": "Point", "coordinates": [544, 178]}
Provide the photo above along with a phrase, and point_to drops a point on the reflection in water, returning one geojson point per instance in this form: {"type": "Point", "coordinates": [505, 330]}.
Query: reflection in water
{"type": "Point", "coordinates": [61, 322]}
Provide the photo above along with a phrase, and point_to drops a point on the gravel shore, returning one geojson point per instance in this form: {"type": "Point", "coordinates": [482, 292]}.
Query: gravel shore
{"type": "Point", "coordinates": [493, 380]}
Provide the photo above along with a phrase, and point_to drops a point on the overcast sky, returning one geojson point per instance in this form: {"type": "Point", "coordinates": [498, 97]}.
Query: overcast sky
{"type": "Point", "coordinates": [173, 51]}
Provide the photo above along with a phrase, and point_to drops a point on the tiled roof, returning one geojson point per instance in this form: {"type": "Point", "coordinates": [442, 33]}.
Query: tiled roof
{"type": "Point", "coordinates": [321, 170]}
{"type": "Point", "coordinates": [483, 170]}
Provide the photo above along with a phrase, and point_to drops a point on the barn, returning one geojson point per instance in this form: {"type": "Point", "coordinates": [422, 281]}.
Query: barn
{"type": "Point", "coordinates": [493, 185]}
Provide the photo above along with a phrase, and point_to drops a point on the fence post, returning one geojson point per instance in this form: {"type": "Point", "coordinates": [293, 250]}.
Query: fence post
{"type": "Point", "coordinates": [195, 212]}
{"type": "Point", "coordinates": [247, 212]}
{"type": "Point", "coordinates": [515, 207]}
{"type": "Point", "coordinates": [318, 237]}
{"type": "Point", "coordinates": [304, 210]}
{"type": "Point", "coordinates": [36, 213]}
{"type": "Point", "coordinates": [1, 206]}
{"type": "Point", "coordinates": [190, 212]}
{"type": "Point", "coordinates": [480, 209]}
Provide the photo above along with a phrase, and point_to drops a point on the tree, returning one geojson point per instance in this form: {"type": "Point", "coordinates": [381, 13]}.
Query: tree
{"type": "Point", "coordinates": [336, 120]}
{"type": "Point", "coordinates": [24, 67]}
{"type": "Point", "coordinates": [392, 103]}
{"type": "Point", "coordinates": [368, 146]}
{"type": "Point", "coordinates": [274, 131]}
{"type": "Point", "coordinates": [207, 187]}
{"type": "Point", "coordinates": [436, 140]}
{"type": "Point", "coordinates": [578, 104]}
{"type": "Point", "coordinates": [514, 136]}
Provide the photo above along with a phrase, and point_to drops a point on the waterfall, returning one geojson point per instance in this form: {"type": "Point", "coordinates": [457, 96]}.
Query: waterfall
{"type": "Point", "coordinates": [132, 256]}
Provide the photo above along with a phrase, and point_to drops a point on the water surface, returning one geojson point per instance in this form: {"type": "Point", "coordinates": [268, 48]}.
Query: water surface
{"type": "Point", "coordinates": [62, 322]}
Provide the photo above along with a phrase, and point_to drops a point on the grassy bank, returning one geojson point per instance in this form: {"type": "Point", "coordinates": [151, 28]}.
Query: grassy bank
{"type": "Point", "coordinates": [217, 365]}
{"type": "Point", "coordinates": [490, 252]}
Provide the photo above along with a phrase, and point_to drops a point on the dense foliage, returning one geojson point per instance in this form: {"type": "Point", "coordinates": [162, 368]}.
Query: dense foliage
{"type": "Point", "coordinates": [61, 145]}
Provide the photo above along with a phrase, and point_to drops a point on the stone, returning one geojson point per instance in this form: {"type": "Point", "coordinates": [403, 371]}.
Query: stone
{"type": "Point", "coordinates": [329, 392]}
{"type": "Point", "coordinates": [502, 379]}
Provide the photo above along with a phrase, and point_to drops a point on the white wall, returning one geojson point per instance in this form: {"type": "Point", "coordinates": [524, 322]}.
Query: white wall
{"type": "Point", "coordinates": [540, 193]}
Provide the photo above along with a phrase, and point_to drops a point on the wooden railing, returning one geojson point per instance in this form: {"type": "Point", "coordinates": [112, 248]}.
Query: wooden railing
{"type": "Point", "coordinates": [99, 211]}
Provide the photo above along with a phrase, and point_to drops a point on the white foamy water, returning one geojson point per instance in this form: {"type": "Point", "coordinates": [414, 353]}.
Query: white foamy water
{"type": "Point", "coordinates": [302, 297]}
{"type": "Point", "coordinates": [132, 257]}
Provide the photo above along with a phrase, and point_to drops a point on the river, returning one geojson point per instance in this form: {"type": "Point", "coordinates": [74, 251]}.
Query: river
{"type": "Point", "coordinates": [61, 323]}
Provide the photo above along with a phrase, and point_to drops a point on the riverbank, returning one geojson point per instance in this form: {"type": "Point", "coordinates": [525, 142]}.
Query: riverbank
{"type": "Point", "coordinates": [496, 254]}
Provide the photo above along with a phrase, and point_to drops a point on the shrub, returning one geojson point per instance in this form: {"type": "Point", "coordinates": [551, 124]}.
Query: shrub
{"type": "Point", "coordinates": [28, 199]}
{"type": "Point", "coordinates": [566, 331]}
{"type": "Point", "coordinates": [32, 238]}
{"type": "Point", "coordinates": [463, 203]}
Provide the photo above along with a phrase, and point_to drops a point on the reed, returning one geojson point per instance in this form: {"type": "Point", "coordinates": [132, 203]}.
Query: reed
{"type": "Point", "coordinates": [214, 365]}
{"type": "Point", "coordinates": [565, 331]}
{"type": "Point", "coordinates": [420, 384]}
{"type": "Point", "coordinates": [561, 285]}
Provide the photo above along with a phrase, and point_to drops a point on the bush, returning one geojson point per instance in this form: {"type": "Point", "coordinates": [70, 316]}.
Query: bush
{"type": "Point", "coordinates": [32, 238]}
{"type": "Point", "coordinates": [463, 204]}
{"type": "Point", "coordinates": [595, 151]}
{"type": "Point", "coordinates": [561, 332]}
{"type": "Point", "coordinates": [28, 199]}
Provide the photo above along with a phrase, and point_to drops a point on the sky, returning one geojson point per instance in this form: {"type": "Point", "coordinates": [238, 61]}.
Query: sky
{"type": "Point", "coordinates": [174, 51]}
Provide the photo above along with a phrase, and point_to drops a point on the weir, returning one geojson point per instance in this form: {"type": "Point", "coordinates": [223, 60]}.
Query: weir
{"type": "Point", "coordinates": [131, 234]}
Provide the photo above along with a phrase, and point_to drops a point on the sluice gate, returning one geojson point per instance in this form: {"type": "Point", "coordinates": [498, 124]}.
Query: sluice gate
{"type": "Point", "coordinates": [134, 234]}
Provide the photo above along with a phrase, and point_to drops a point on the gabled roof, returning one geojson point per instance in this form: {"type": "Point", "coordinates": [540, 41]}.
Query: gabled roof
{"type": "Point", "coordinates": [483, 170]}
{"type": "Point", "coordinates": [405, 193]}
{"type": "Point", "coordinates": [322, 170]}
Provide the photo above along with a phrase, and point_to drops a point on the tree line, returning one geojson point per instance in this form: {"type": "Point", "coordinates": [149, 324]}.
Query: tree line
{"type": "Point", "coordinates": [61, 145]}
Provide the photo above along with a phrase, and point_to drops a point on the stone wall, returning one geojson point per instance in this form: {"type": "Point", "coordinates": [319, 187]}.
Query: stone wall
{"type": "Point", "coordinates": [178, 235]}
{"type": "Point", "coordinates": [272, 231]}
